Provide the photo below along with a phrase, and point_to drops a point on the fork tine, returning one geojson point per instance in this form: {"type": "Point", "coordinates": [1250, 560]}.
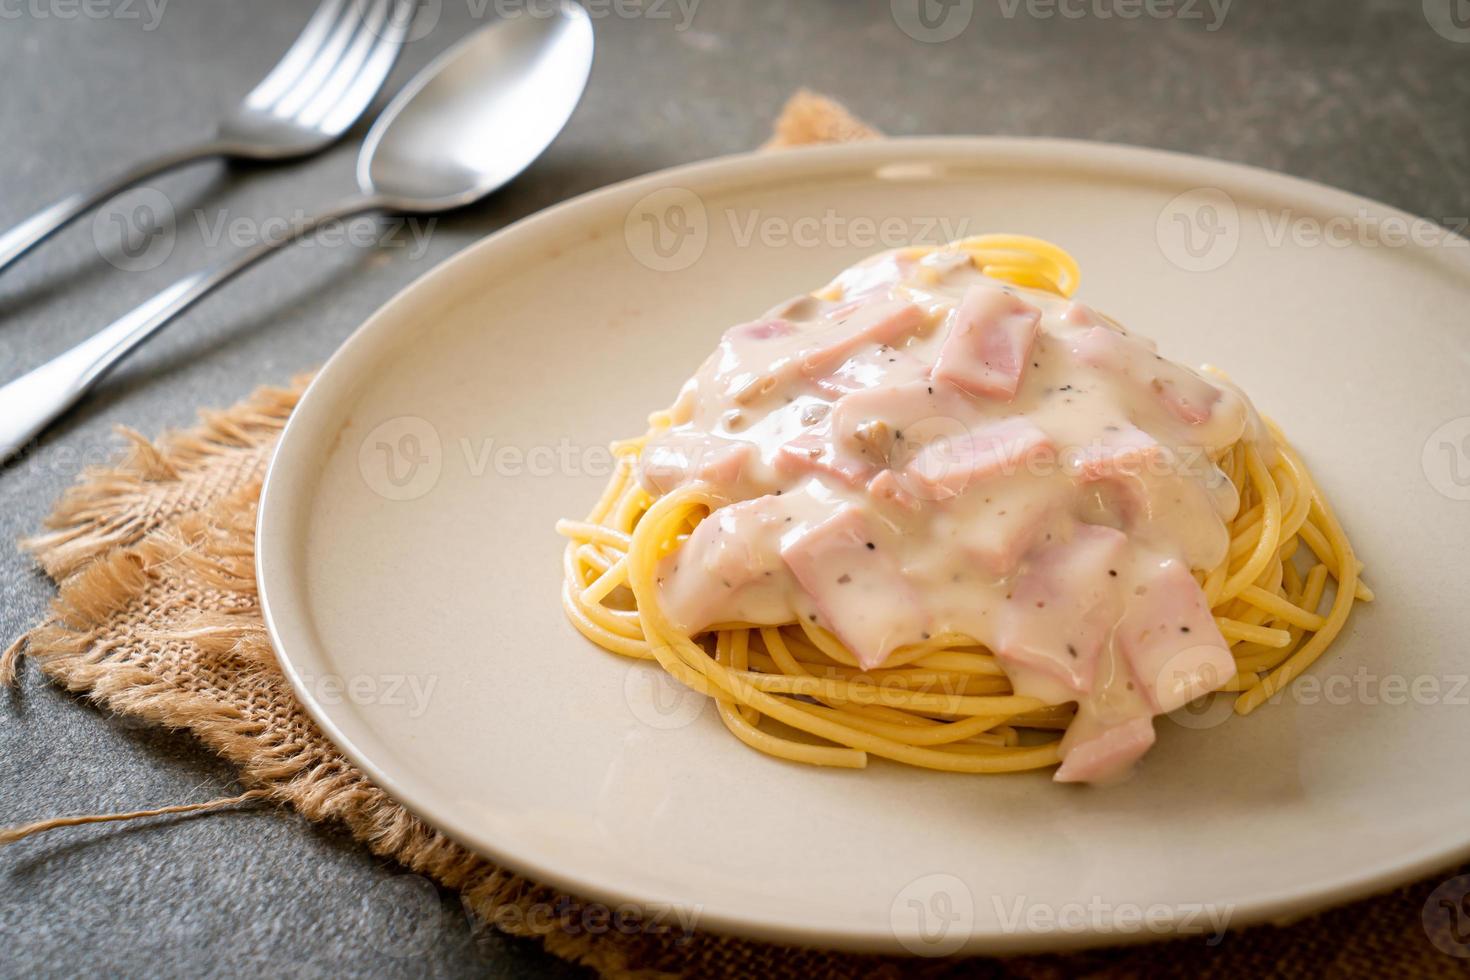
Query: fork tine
{"type": "Point", "coordinates": [339, 83]}
{"type": "Point", "coordinates": [375, 71]}
{"type": "Point", "coordinates": [307, 45]}
{"type": "Point", "coordinates": [311, 80]}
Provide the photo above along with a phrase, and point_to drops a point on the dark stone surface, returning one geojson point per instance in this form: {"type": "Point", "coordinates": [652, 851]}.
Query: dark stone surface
{"type": "Point", "coordinates": [1365, 95]}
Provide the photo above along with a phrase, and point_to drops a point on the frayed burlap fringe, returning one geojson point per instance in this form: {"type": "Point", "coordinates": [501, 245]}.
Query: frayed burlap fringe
{"type": "Point", "coordinates": [810, 118]}
{"type": "Point", "coordinates": [157, 618]}
{"type": "Point", "coordinates": [118, 504]}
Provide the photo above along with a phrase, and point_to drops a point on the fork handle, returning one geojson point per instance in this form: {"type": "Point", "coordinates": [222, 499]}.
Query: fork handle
{"type": "Point", "coordinates": [41, 225]}
{"type": "Point", "coordinates": [34, 400]}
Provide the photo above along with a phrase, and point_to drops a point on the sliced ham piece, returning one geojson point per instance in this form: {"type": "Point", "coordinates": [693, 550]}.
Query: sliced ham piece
{"type": "Point", "coordinates": [989, 344]}
{"type": "Point", "coordinates": [1080, 315]}
{"type": "Point", "coordinates": [1061, 612]}
{"type": "Point", "coordinates": [1190, 398]}
{"type": "Point", "coordinates": [1184, 394]}
{"type": "Point", "coordinates": [1101, 347]}
{"type": "Point", "coordinates": [766, 329]}
{"type": "Point", "coordinates": [1108, 754]}
{"type": "Point", "coordinates": [888, 487]}
{"type": "Point", "coordinates": [735, 548]}
{"type": "Point", "coordinates": [1122, 450]}
{"type": "Point", "coordinates": [880, 367]}
{"type": "Point", "coordinates": [767, 355]}
{"type": "Point", "coordinates": [1017, 517]}
{"type": "Point", "coordinates": [669, 464]}
{"type": "Point", "coordinates": [947, 466]}
{"type": "Point", "coordinates": [883, 322]}
{"type": "Point", "coordinates": [861, 595]}
{"type": "Point", "coordinates": [814, 454]}
{"type": "Point", "coordinates": [1170, 640]}
{"type": "Point", "coordinates": [724, 468]}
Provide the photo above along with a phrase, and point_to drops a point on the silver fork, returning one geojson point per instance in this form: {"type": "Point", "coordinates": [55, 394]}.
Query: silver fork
{"type": "Point", "coordinates": [312, 96]}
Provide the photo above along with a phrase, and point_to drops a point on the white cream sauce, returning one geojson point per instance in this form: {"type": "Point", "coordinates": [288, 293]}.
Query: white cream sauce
{"type": "Point", "coordinates": [941, 452]}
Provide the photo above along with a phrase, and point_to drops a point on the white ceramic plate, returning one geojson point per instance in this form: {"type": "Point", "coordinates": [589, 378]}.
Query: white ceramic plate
{"type": "Point", "coordinates": [411, 574]}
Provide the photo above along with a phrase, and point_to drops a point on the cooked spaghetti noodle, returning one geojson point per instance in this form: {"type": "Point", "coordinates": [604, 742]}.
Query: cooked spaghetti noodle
{"type": "Point", "coordinates": [1279, 597]}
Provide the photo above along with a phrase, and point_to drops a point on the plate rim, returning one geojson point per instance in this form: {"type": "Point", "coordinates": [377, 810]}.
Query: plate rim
{"type": "Point", "coordinates": [763, 168]}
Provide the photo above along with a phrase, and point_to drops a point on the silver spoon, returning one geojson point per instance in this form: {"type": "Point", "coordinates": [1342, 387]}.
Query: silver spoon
{"type": "Point", "coordinates": [465, 126]}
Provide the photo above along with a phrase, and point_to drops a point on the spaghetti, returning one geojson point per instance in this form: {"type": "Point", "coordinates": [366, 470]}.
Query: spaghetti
{"type": "Point", "coordinates": [1279, 596]}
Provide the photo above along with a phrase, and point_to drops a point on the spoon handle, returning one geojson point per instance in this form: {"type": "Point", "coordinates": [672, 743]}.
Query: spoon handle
{"type": "Point", "coordinates": [46, 222]}
{"type": "Point", "coordinates": [34, 400]}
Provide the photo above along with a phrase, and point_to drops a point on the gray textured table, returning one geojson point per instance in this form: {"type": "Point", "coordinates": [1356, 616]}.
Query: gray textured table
{"type": "Point", "coordinates": [1368, 95]}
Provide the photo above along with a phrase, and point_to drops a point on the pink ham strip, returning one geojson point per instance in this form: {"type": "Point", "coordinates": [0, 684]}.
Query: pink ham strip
{"type": "Point", "coordinates": [762, 329]}
{"type": "Point", "coordinates": [1170, 640]}
{"type": "Point", "coordinates": [1063, 607]}
{"type": "Point", "coordinates": [886, 322]}
{"type": "Point", "coordinates": [861, 595]}
{"type": "Point", "coordinates": [666, 466]}
{"type": "Point", "coordinates": [945, 467]}
{"type": "Point", "coordinates": [999, 541]}
{"type": "Point", "coordinates": [989, 344]}
{"type": "Point", "coordinates": [888, 487]}
{"type": "Point", "coordinates": [1188, 397]}
{"type": "Point", "coordinates": [813, 454]}
{"type": "Point", "coordinates": [1191, 399]}
{"type": "Point", "coordinates": [1123, 451]}
{"type": "Point", "coordinates": [1107, 754]}
{"type": "Point", "coordinates": [722, 555]}
{"type": "Point", "coordinates": [848, 329]}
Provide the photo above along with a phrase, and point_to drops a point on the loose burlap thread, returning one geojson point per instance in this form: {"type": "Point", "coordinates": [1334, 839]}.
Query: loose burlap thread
{"type": "Point", "coordinates": [157, 618]}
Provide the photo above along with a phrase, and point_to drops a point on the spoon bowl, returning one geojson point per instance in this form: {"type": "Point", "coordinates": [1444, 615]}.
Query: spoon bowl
{"type": "Point", "coordinates": [481, 113]}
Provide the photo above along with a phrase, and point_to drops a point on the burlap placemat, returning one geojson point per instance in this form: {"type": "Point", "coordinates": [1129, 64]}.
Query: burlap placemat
{"type": "Point", "coordinates": [157, 618]}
